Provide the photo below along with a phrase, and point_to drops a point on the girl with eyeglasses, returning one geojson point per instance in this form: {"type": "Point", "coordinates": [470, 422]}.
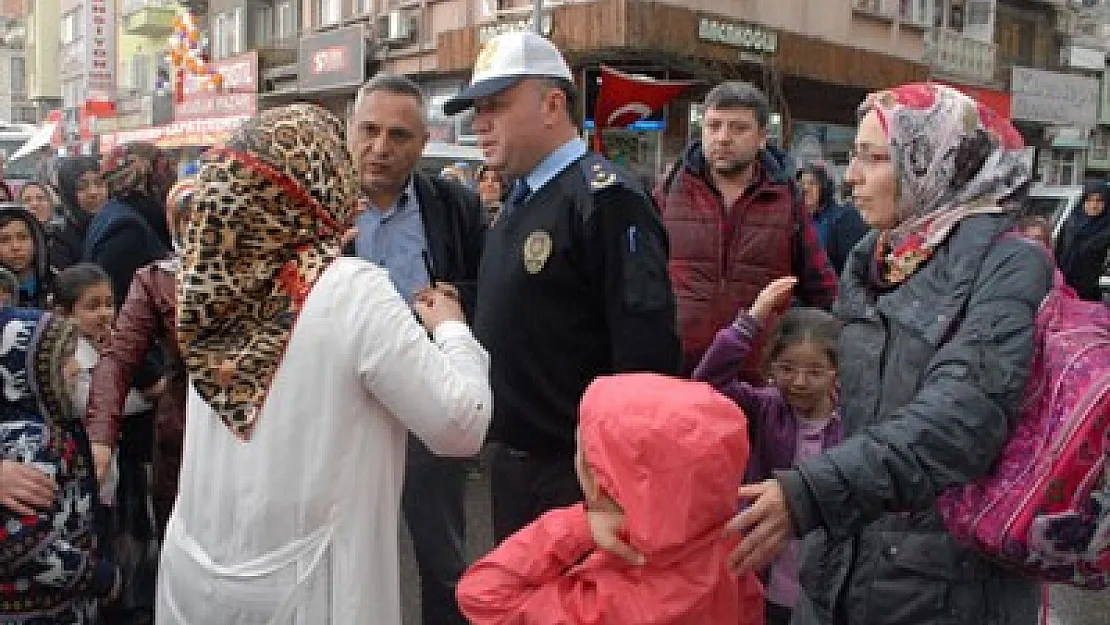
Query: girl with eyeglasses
{"type": "Point", "coordinates": [792, 418]}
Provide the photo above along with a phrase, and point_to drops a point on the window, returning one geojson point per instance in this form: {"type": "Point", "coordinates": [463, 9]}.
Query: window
{"type": "Point", "coordinates": [142, 73]}
{"type": "Point", "coordinates": [225, 34]}
{"type": "Point", "coordinates": [285, 26]}
{"type": "Point", "coordinates": [331, 12]}
{"type": "Point", "coordinates": [1100, 145]}
{"type": "Point", "coordinates": [72, 94]}
{"type": "Point", "coordinates": [69, 27]}
{"type": "Point", "coordinates": [365, 7]}
{"type": "Point", "coordinates": [1064, 167]}
{"type": "Point", "coordinates": [263, 25]}
{"type": "Point", "coordinates": [19, 76]}
{"type": "Point", "coordinates": [915, 11]}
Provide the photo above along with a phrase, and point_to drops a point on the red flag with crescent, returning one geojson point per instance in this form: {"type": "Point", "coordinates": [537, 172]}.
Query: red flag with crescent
{"type": "Point", "coordinates": [625, 99]}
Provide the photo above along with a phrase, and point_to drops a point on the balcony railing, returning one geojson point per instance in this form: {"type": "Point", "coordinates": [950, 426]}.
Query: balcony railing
{"type": "Point", "coordinates": [949, 52]}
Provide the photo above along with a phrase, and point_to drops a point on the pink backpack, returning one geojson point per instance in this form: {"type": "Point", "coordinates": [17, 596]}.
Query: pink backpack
{"type": "Point", "coordinates": [1044, 511]}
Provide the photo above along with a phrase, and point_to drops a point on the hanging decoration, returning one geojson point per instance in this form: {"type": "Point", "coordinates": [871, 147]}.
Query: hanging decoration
{"type": "Point", "coordinates": [187, 56]}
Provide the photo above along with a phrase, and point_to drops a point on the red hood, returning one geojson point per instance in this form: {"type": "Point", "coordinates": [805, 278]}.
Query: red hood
{"type": "Point", "coordinates": [670, 452]}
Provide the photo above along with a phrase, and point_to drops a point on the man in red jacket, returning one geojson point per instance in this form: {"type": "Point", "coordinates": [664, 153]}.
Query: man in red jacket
{"type": "Point", "coordinates": [736, 223]}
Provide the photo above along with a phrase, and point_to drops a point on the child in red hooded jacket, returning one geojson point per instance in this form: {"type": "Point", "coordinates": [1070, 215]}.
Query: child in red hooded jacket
{"type": "Point", "coordinates": [663, 458]}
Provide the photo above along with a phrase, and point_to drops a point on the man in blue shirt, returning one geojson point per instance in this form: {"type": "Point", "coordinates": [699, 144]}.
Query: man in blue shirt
{"type": "Point", "coordinates": [573, 284]}
{"type": "Point", "coordinates": [415, 225]}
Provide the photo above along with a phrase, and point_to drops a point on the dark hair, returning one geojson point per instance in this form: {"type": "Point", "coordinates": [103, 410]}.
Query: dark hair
{"type": "Point", "coordinates": [72, 283]}
{"type": "Point", "coordinates": [828, 187]}
{"type": "Point", "coordinates": [806, 325]}
{"type": "Point", "coordinates": [569, 92]}
{"type": "Point", "coordinates": [738, 94]}
{"type": "Point", "coordinates": [21, 215]}
{"type": "Point", "coordinates": [392, 83]}
{"type": "Point", "coordinates": [9, 283]}
{"type": "Point", "coordinates": [69, 174]}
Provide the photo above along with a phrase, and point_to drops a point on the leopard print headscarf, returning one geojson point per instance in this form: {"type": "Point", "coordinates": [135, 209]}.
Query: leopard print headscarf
{"type": "Point", "coordinates": [268, 212]}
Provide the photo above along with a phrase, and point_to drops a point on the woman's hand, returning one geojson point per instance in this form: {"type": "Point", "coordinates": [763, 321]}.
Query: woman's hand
{"type": "Point", "coordinates": [773, 299]}
{"type": "Point", "coordinates": [23, 488]}
{"type": "Point", "coordinates": [434, 305]}
{"type": "Point", "coordinates": [765, 525]}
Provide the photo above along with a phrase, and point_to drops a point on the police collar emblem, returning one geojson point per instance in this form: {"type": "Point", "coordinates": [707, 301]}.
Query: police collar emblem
{"type": "Point", "coordinates": [601, 177]}
{"type": "Point", "coordinates": [537, 248]}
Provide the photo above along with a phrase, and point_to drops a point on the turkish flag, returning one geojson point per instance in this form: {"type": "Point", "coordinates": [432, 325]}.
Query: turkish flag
{"type": "Point", "coordinates": [625, 99]}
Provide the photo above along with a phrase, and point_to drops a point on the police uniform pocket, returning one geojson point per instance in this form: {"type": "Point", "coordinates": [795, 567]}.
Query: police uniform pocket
{"type": "Point", "coordinates": [647, 286]}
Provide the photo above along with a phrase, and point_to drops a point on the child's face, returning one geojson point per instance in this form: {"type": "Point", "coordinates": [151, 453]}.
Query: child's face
{"type": "Point", "coordinates": [17, 247]}
{"type": "Point", "coordinates": [36, 200]}
{"type": "Point", "coordinates": [93, 313]}
{"type": "Point", "coordinates": [805, 375]}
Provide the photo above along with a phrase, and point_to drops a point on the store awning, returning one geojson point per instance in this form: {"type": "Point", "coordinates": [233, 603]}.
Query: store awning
{"type": "Point", "coordinates": [39, 140]}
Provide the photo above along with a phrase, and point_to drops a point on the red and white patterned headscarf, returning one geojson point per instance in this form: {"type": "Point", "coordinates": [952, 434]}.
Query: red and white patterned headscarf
{"type": "Point", "coordinates": [953, 157]}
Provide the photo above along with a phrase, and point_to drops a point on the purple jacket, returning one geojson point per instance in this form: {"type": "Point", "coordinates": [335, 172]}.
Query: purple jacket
{"type": "Point", "coordinates": [772, 424]}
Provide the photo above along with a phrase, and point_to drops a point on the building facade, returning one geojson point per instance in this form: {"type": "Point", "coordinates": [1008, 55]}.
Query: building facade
{"type": "Point", "coordinates": [15, 105]}
{"type": "Point", "coordinates": [43, 80]}
{"type": "Point", "coordinates": [815, 59]}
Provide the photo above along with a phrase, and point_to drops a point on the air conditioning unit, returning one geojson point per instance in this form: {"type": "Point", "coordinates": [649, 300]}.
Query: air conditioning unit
{"type": "Point", "coordinates": [396, 27]}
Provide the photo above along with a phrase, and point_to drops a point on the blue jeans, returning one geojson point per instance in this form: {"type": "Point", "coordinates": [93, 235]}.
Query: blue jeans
{"type": "Point", "coordinates": [433, 501]}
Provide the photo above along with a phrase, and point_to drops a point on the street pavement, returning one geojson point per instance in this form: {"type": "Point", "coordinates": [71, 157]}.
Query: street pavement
{"type": "Point", "coordinates": [1068, 606]}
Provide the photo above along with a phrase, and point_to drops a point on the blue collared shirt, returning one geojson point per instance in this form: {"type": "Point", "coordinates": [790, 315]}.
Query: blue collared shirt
{"type": "Point", "coordinates": [394, 239]}
{"type": "Point", "coordinates": [555, 163]}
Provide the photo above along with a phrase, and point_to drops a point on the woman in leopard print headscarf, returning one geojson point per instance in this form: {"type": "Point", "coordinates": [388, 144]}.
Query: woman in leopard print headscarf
{"type": "Point", "coordinates": [306, 371]}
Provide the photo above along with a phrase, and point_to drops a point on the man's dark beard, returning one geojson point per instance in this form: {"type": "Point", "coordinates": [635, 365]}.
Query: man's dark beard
{"type": "Point", "coordinates": [734, 168]}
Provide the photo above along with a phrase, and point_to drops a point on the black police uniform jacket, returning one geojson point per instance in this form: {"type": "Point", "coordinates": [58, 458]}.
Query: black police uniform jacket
{"type": "Point", "coordinates": [573, 285]}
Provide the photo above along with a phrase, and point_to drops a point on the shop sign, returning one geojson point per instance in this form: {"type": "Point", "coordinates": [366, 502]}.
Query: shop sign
{"type": "Point", "coordinates": [333, 59]}
{"type": "Point", "coordinates": [193, 132]}
{"type": "Point", "coordinates": [238, 95]}
{"type": "Point", "coordinates": [746, 36]}
{"type": "Point", "coordinates": [1080, 57]}
{"type": "Point", "coordinates": [489, 31]}
{"type": "Point", "coordinates": [1054, 98]}
{"type": "Point", "coordinates": [102, 54]}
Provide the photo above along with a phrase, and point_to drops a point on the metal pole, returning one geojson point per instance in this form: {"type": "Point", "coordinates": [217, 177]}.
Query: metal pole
{"type": "Point", "coordinates": [537, 16]}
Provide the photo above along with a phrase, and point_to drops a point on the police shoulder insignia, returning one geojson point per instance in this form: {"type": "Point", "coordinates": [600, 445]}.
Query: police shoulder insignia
{"type": "Point", "coordinates": [601, 177]}
{"type": "Point", "coordinates": [537, 249]}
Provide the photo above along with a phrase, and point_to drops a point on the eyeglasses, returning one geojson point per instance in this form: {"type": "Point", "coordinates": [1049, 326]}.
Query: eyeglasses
{"type": "Point", "coordinates": [864, 155]}
{"type": "Point", "coordinates": [787, 371]}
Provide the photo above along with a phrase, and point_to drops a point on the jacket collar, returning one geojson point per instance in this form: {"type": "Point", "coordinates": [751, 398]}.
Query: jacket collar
{"type": "Point", "coordinates": [932, 299]}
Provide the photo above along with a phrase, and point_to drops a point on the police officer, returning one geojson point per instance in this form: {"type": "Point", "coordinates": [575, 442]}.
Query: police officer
{"type": "Point", "coordinates": [573, 283]}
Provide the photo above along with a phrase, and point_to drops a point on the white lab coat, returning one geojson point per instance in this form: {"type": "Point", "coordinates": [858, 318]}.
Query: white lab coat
{"type": "Point", "coordinates": [299, 525]}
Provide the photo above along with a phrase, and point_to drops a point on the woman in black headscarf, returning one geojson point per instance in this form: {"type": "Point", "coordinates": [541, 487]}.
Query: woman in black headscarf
{"type": "Point", "coordinates": [83, 192]}
{"type": "Point", "coordinates": [1083, 246]}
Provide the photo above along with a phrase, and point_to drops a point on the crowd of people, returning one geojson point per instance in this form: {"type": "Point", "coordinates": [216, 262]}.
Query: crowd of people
{"type": "Point", "coordinates": [727, 399]}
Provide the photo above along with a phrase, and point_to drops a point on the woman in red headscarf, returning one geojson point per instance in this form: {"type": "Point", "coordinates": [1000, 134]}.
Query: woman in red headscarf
{"type": "Point", "coordinates": [938, 337]}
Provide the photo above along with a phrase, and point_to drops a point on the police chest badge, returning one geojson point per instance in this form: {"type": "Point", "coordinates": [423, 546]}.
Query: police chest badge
{"type": "Point", "coordinates": [537, 249]}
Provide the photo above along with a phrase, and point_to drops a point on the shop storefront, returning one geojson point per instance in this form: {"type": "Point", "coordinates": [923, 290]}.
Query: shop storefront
{"type": "Point", "coordinates": [814, 85]}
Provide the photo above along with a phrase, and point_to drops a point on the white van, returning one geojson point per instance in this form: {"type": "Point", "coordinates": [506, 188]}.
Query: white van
{"type": "Point", "coordinates": [438, 155]}
{"type": "Point", "coordinates": [1054, 203]}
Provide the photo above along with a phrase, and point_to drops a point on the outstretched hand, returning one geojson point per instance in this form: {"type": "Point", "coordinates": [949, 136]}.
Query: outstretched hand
{"type": "Point", "coordinates": [773, 299]}
{"type": "Point", "coordinates": [765, 526]}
